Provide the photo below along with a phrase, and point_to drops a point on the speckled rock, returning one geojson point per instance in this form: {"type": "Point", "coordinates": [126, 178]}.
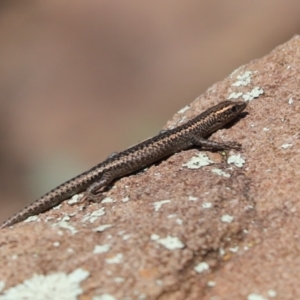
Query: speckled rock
{"type": "Point", "coordinates": [197, 225]}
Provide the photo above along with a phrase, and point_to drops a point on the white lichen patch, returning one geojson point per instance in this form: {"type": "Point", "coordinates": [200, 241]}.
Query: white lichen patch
{"type": "Point", "coordinates": [125, 199]}
{"type": "Point", "coordinates": [286, 146]}
{"type": "Point", "coordinates": [121, 232]}
{"type": "Point", "coordinates": [254, 93]}
{"type": "Point", "coordinates": [98, 249]}
{"type": "Point", "coordinates": [119, 279]}
{"type": "Point", "coordinates": [235, 95]}
{"type": "Point", "coordinates": [234, 249]}
{"type": "Point", "coordinates": [102, 227]}
{"type": "Point", "coordinates": [272, 293]}
{"type": "Point", "coordinates": [54, 286]}
{"type": "Point", "coordinates": [172, 216]}
{"type": "Point", "coordinates": [198, 161]}
{"type": "Point", "coordinates": [32, 219]}
{"type": "Point", "coordinates": [179, 221]}
{"type": "Point", "coordinates": [227, 219]}
{"type": "Point", "coordinates": [220, 172]}
{"type": "Point", "coordinates": [108, 200]}
{"type": "Point", "coordinates": [75, 199]}
{"type": "Point", "coordinates": [94, 215]}
{"type": "Point", "coordinates": [211, 283]}
{"type": "Point", "coordinates": [184, 109]}
{"type": "Point", "coordinates": [159, 282]}
{"type": "Point", "coordinates": [126, 237]}
{"type": "Point", "coordinates": [2, 285]}
{"type": "Point", "coordinates": [236, 159]}
{"type": "Point", "coordinates": [192, 198]}
{"type": "Point", "coordinates": [65, 218]}
{"type": "Point", "coordinates": [206, 205]}
{"type": "Point", "coordinates": [159, 204]}
{"type": "Point", "coordinates": [66, 225]}
{"type": "Point", "coordinates": [117, 259]}
{"type": "Point", "coordinates": [243, 79]}
{"type": "Point", "coordinates": [104, 297]}
{"type": "Point", "coordinates": [222, 252]}
{"type": "Point", "coordinates": [254, 296]}
{"type": "Point", "coordinates": [201, 267]}
{"type": "Point", "coordinates": [154, 237]}
{"type": "Point", "coordinates": [182, 120]}
{"type": "Point", "coordinates": [57, 207]}
{"type": "Point", "coordinates": [170, 242]}
{"type": "Point", "coordinates": [249, 207]}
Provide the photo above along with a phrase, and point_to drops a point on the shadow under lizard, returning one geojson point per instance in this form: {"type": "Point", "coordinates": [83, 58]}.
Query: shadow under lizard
{"type": "Point", "coordinates": [168, 142]}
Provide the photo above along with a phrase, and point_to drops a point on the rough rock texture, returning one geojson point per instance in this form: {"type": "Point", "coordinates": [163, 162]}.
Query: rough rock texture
{"type": "Point", "coordinates": [178, 230]}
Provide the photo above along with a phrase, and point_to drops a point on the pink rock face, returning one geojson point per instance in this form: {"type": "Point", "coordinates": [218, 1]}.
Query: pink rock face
{"type": "Point", "coordinates": [197, 225]}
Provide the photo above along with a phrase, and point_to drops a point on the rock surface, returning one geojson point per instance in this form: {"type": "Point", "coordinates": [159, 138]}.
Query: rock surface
{"type": "Point", "coordinates": [180, 230]}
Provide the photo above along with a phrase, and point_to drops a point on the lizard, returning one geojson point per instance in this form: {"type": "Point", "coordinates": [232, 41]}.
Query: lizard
{"type": "Point", "coordinates": [166, 143]}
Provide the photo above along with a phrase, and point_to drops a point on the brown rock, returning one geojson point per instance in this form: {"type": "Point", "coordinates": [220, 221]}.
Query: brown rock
{"type": "Point", "coordinates": [222, 231]}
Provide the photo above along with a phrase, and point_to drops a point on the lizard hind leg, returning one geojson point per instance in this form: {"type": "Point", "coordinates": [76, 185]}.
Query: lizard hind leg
{"type": "Point", "coordinates": [104, 181]}
{"type": "Point", "coordinates": [91, 193]}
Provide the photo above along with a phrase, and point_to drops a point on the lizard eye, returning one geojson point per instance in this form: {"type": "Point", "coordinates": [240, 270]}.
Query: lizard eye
{"type": "Point", "coordinates": [234, 109]}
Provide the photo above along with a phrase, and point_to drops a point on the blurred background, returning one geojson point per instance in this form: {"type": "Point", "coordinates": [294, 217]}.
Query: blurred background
{"type": "Point", "coordinates": [82, 79]}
